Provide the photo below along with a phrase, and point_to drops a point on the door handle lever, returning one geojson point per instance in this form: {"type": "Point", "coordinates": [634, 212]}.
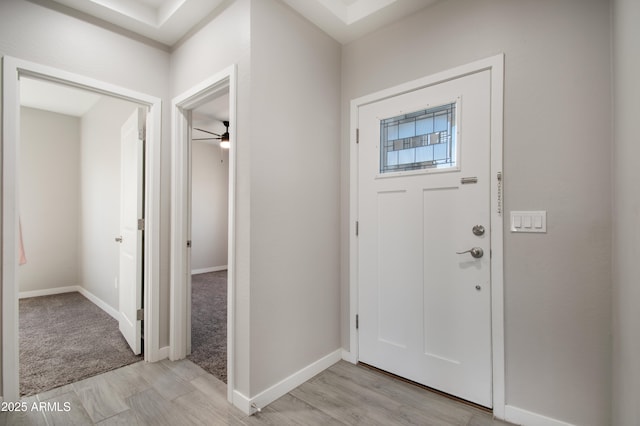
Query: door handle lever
{"type": "Point", "coordinates": [475, 252]}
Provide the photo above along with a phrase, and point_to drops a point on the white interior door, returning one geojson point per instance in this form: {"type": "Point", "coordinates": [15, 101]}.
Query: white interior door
{"type": "Point", "coordinates": [131, 237]}
{"type": "Point", "coordinates": [423, 185]}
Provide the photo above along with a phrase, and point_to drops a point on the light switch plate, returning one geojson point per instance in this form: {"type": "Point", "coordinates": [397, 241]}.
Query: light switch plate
{"type": "Point", "coordinates": [529, 221]}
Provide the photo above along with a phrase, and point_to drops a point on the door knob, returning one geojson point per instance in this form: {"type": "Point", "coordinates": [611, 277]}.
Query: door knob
{"type": "Point", "coordinates": [118, 239]}
{"type": "Point", "coordinates": [475, 252]}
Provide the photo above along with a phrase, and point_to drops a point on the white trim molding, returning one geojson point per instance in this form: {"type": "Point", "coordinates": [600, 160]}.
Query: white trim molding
{"type": "Point", "coordinates": [48, 291]}
{"type": "Point", "coordinates": [281, 388]}
{"type": "Point", "coordinates": [207, 270]}
{"type": "Point", "coordinates": [179, 324]}
{"type": "Point", "coordinates": [100, 303]}
{"type": "Point", "coordinates": [113, 313]}
{"type": "Point", "coordinates": [12, 70]}
{"type": "Point", "coordinates": [495, 65]}
{"type": "Point", "coordinates": [523, 417]}
{"type": "Point", "coordinates": [349, 357]}
{"type": "Point", "coordinates": [163, 353]}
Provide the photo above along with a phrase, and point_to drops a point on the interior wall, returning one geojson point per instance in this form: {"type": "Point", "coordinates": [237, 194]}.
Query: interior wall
{"type": "Point", "coordinates": [49, 201]}
{"type": "Point", "coordinates": [99, 221]}
{"type": "Point", "coordinates": [557, 148]}
{"type": "Point", "coordinates": [43, 35]}
{"type": "Point", "coordinates": [209, 204]}
{"type": "Point", "coordinates": [626, 209]}
{"type": "Point", "coordinates": [193, 61]}
{"type": "Point", "coordinates": [295, 90]}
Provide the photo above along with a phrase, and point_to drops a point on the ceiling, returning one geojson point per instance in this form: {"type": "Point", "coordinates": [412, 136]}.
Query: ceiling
{"type": "Point", "coordinates": [168, 21]}
{"type": "Point", "coordinates": [56, 97]}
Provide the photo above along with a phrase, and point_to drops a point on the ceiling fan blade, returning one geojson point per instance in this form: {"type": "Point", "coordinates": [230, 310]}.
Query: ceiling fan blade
{"type": "Point", "coordinates": [206, 131]}
{"type": "Point", "coordinates": [205, 139]}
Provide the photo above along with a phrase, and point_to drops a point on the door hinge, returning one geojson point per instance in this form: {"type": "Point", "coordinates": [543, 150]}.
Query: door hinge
{"type": "Point", "coordinates": [357, 321]}
{"type": "Point", "coordinates": [140, 224]}
{"type": "Point", "coordinates": [357, 228]}
{"type": "Point", "coordinates": [189, 243]}
{"type": "Point", "coordinates": [357, 135]}
{"type": "Point", "coordinates": [140, 315]}
{"type": "Point", "coordinates": [141, 134]}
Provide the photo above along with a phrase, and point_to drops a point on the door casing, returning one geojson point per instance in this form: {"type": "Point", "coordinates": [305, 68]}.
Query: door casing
{"type": "Point", "coordinates": [180, 320]}
{"type": "Point", "coordinates": [12, 69]}
{"type": "Point", "coordinates": [496, 65]}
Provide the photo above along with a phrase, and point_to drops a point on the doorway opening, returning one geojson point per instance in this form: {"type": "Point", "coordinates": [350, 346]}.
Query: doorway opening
{"type": "Point", "coordinates": [208, 107]}
{"type": "Point", "coordinates": [209, 224]}
{"type": "Point", "coordinates": [71, 183]}
{"type": "Point", "coordinates": [146, 112]}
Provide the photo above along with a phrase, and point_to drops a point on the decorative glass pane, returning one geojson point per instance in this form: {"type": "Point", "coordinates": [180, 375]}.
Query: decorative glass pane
{"type": "Point", "coordinates": [424, 126]}
{"type": "Point", "coordinates": [419, 140]}
{"type": "Point", "coordinates": [407, 156]}
{"type": "Point", "coordinates": [440, 123]}
{"type": "Point", "coordinates": [392, 158]}
{"type": "Point", "coordinates": [392, 133]}
{"type": "Point", "coordinates": [407, 129]}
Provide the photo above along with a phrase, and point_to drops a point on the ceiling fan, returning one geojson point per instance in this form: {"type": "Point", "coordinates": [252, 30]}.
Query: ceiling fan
{"type": "Point", "coordinates": [223, 138]}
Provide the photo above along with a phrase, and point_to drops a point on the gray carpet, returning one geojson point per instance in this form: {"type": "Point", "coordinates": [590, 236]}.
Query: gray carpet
{"type": "Point", "coordinates": [209, 322]}
{"type": "Point", "coordinates": [65, 338]}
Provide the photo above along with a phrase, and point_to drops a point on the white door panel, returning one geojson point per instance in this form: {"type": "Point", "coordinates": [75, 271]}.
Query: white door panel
{"type": "Point", "coordinates": [131, 209]}
{"type": "Point", "coordinates": [421, 315]}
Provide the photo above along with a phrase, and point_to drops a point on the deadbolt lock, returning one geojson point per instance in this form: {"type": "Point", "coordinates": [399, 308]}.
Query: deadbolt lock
{"type": "Point", "coordinates": [478, 230]}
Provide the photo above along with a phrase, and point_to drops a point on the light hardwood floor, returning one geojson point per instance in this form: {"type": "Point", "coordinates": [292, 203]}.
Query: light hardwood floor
{"type": "Point", "coordinates": [181, 393]}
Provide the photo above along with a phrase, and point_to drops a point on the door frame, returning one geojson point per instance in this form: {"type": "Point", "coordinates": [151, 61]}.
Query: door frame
{"type": "Point", "coordinates": [12, 69]}
{"type": "Point", "coordinates": [495, 65]}
{"type": "Point", "coordinates": [180, 313]}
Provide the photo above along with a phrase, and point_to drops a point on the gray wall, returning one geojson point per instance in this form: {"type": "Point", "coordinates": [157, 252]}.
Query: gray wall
{"type": "Point", "coordinates": [557, 150]}
{"type": "Point", "coordinates": [49, 199]}
{"type": "Point", "coordinates": [209, 203]}
{"type": "Point", "coordinates": [626, 209]}
{"type": "Point", "coordinates": [295, 91]}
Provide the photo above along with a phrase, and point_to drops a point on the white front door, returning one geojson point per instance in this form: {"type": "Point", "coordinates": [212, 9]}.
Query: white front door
{"type": "Point", "coordinates": [423, 197]}
{"type": "Point", "coordinates": [131, 209]}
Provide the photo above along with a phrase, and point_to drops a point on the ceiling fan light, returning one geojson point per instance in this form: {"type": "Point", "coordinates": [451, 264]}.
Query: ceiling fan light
{"type": "Point", "coordinates": [224, 139]}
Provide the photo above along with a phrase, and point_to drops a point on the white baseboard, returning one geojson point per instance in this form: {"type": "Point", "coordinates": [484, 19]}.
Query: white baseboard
{"type": "Point", "coordinates": [100, 303]}
{"type": "Point", "coordinates": [242, 403]}
{"type": "Point", "coordinates": [163, 353]}
{"type": "Point", "coordinates": [267, 396]}
{"type": "Point", "coordinates": [349, 356]}
{"type": "Point", "coordinates": [70, 289]}
{"type": "Point", "coordinates": [527, 418]}
{"type": "Point", "coordinates": [48, 291]}
{"type": "Point", "coordinates": [211, 269]}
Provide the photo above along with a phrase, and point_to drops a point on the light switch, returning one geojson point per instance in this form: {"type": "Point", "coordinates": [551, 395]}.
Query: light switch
{"type": "Point", "coordinates": [529, 221]}
{"type": "Point", "coordinates": [517, 221]}
{"type": "Point", "coordinates": [537, 222]}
